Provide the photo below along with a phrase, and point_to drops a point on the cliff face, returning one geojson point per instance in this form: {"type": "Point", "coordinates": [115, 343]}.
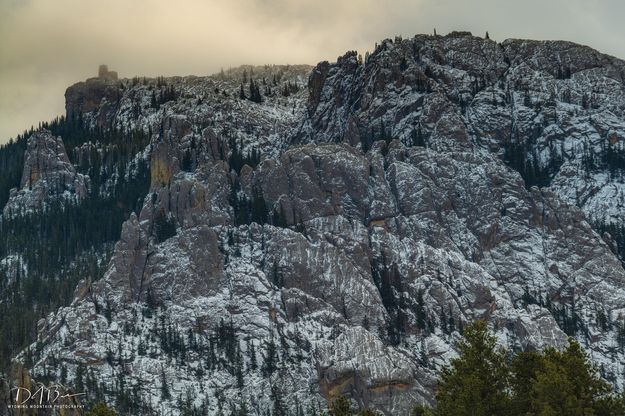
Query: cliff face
{"type": "Point", "coordinates": [554, 110]}
{"type": "Point", "coordinates": [97, 96]}
{"type": "Point", "coordinates": [48, 175]}
{"type": "Point", "coordinates": [336, 240]}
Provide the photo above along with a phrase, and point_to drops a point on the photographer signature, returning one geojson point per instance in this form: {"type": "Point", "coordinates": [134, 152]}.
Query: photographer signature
{"type": "Point", "coordinates": [50, 394]}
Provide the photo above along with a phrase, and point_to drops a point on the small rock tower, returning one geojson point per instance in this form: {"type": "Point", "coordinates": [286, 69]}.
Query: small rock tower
{"type": "Point", "coordinates": [104, 73]}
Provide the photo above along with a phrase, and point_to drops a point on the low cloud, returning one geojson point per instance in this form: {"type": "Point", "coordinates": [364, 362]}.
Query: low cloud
{"type": "Point", "coordinates": [46, 45]}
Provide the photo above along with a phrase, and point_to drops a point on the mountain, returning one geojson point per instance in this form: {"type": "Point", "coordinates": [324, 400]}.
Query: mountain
{"type": "Point", "coordinates": [285, 234]}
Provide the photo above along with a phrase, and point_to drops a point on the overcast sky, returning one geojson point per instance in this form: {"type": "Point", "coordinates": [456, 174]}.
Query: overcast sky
{"type": "Point", "coordinates": [47, 45]}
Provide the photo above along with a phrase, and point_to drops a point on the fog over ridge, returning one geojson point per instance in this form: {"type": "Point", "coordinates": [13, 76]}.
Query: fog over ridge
{"type": "Point", "coordinates": [47, 45]}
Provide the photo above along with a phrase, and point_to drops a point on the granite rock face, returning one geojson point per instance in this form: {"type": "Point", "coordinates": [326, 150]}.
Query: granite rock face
{"type": "Point", "coordinates": [378, 220]}
{"type": "Point", "coordinates": [99, 96]}
{"type": "Point", "coordinates": [552, 108]}
{"type": "Point", "coordinates": [48, 175]}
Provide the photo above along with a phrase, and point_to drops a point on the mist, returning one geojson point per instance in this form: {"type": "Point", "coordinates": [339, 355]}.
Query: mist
{"type": "Point", "coordinates": [47, 45]}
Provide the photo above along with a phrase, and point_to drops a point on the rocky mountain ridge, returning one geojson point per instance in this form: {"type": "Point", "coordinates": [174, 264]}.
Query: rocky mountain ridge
{"type": "Point", "coordinates": [336, 240]}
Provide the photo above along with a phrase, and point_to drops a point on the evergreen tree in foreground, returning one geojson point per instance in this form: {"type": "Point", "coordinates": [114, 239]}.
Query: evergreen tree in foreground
{"type": "Point", "coordinates": [341, 406]}
{"type": "Point", "coordinates": [552, 383]}
{"type": "Point", "coordinates": [475, 384]}
{"type": "Point", "coordinates": [565, 383]}
{"type": "Point", "coordinates": [100, 409]}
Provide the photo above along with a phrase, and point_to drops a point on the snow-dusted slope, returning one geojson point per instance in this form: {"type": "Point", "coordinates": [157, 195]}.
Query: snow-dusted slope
{"type": "Point", "coordinates": [320, 249]}
{"type": "Point", "coordinates": [47, 175]}
{"type": "Point", "coordinates": [558, 108]}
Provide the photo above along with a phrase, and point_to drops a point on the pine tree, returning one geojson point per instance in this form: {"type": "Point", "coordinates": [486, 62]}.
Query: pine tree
{"type": "Point", "coordinates": [164, 227]}
{"type": "Point", "coordinates": [420, 311]}
{"type": "Point", "coordinates": [238, 369]}
{"type": "Point", "coordinates": [422, 410]}
{"type": "Point", "coordinates": [255, 95]}
{"type": "Point", "coordinates": [187, 161]}
{"type": "Point", "coordinates": [341, 407]}
{"type": "Point", "coordinates": [252, 354]}
{"type": "Point", "coordinates": [270, 363]}
{"type": "Point", "coordinates": [79, 378]}
{"type": "Point", "coordinates": [475, 384]}
{"type": "Point", "coordinates": [165, 395]}
{"type": "Point", "coordinates": [523, 369]}
{"type": "Point", "coordinates": [153, 101]}
{"type": "Point", "coordinates": [100, 409]}
{"type": "Point", "coordinates": [279, 407]}
{"type": "Point", "coordinates": [566, 383]}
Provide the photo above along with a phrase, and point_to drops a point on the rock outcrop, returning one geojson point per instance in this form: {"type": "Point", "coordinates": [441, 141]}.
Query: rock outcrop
{"type": "Point", "coordinates": [98, 96]}
{"type": "Point", "coordinates": [48, 175]}
{"type": "Point", "coordinates": [553, 110]}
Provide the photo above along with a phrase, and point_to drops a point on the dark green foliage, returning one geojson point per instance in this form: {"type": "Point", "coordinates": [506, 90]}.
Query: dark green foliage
{"type": "Point", "coordinates": [238, 368]}
{"type": "Point", "coordinates": [341, 406]}
{"type": "Point", "coordinates": [276, 276]}
{"type": "Point", "coordinates": [563, 73]}
{"type": "Point", "coordinates": [565, 312]}
{"type": "Point", "coordinates": [522, 157]}
{"type": "Point", "coordinates": [48, 243]}
{"type": "Point", "coordinates": [162, 93]}
{"type": "Point", "coordinates": [60, 245]}
{"type": "Point", "coordinates": [187, 162]}
{"type": "Point", "coordinates": [420, 311]}
{"type": "Point", "coordinates": [611, 157]}
{"type": "Point", "coordinates": [422, 410]}
{"type": "Point", "coordinates": [566, 383]}
{"type": "Point", "coordinates": [270, 362]}
{"type": "Point", "coordinates": [289, 88]}
{"type": "Point", "coordinates": [117, 147]}
{"type": "Point", "coordinates": [238, 159]}
{"type": "Point", "coordinates": [417, 138]}
{"type": "Point", "coordinates": [522, 371]}
{"type": "Point", "coordinates": [403, 65]}
{"type": "Point", "coordinates": [388, 281]}
{"type": "Point", "coordinates": [475, 384]}
{"type": "Point", "coordinates": [279, 407]}
{"type": "Point", "coordinates": [255, 95]}
{"type": "Point", "coordinates": [79, 379]}
{"type": "Point", "coordinates": [247, 210]}
{"type": "Point", "coordinates": [168, 93]}
{"type": "Point", "coordinates": [11, 165]}
{"type": "Point", "coordinates": [567, 318]}
{"type": "Point", "coordinates": [165, 394]}
{"type": "Point", "coordinates": [164, 227]}
{"type": "Point", "coordinates": [377, 134]}
{"type": "Point", "coordinates": [219, 346]}
{"type": "Point", "coordinates": [252, 356]}
{"type": "Point", "coordinates": [100, 409]}
{"type": "Point", "coordinates": [482, 382]}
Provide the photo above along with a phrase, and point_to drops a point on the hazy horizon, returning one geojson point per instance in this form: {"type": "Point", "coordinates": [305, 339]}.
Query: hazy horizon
{"type": "Point", "coordinates": [45, 45]}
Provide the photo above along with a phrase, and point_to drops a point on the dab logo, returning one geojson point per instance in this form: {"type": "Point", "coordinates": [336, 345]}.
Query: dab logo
{"type": "Point", "coordinates": [44, 397]}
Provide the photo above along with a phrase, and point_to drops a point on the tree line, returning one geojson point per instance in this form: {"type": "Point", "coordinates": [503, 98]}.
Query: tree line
{"type": "Point", "coordinates": [486, 380]}
{"type": "Point", "coordinates": [52, 248]}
